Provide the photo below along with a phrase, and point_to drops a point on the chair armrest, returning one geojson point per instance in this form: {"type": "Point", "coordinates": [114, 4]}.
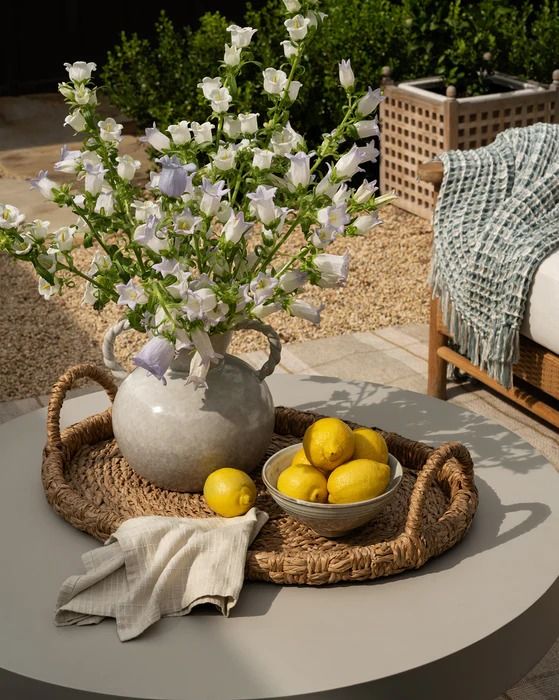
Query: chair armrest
{"type": "Point", "coordinates": [431, 171]}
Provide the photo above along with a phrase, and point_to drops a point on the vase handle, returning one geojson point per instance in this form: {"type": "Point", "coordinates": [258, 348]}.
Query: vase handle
{"type": "Point", "coordinates": [111, 363]}
{"type": "Point", "coordinates": [274, 343]}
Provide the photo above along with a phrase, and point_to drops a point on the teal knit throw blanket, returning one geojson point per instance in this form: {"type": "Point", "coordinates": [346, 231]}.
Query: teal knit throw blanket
{"type": "Point", "coordinates": [496, 220]}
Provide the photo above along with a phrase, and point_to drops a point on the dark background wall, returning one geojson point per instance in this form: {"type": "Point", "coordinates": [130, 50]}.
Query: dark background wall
{"type": "Point", "coordinates": [38, 38]}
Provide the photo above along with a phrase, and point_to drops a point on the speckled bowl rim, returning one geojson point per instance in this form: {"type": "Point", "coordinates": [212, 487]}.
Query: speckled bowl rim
{"type": "Point", "coordinates": [397, 471]}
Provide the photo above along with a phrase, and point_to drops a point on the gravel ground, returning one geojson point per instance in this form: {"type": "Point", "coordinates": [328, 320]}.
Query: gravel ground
{"type": "Point", "coordinates": [386, 286]}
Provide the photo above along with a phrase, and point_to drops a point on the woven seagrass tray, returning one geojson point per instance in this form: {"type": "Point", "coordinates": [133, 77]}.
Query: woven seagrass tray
{"type": "Point", "coordinates": [89, 484]}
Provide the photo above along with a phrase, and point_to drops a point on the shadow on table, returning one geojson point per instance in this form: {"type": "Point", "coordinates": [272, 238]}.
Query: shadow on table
{"type": "Point", "coordinates": [429, 420]}
{"type": "Point", "coordinates": [436, 422]}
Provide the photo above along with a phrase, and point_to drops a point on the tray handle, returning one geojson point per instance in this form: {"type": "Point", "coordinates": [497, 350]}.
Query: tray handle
{"type": "Point", "coordinates": [62, 386]}
{"type": "Point", "coordinates": [433, 465]}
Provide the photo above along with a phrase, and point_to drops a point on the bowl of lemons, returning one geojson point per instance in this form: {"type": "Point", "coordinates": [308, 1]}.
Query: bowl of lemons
{"type": "Point", "coordinates": [336, 480]}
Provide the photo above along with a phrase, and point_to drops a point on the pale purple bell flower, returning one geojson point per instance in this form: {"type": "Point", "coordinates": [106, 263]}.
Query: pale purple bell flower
{"type": "Point", "coordinates": [173, 177]}
{"type": "Point", "coordinates": [156, 357]}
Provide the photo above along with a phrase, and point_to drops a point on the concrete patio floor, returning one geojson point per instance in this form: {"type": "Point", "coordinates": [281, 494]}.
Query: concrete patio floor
{"type": "Point", "coordinates": [397, 356]}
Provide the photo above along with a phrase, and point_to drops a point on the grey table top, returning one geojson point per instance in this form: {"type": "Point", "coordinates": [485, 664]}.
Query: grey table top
{"type": "Point", "coordinates": [467, 625]}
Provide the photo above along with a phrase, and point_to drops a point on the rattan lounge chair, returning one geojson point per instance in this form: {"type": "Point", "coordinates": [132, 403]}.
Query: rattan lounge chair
{"type": "Point", "coordinates": [536, 375]}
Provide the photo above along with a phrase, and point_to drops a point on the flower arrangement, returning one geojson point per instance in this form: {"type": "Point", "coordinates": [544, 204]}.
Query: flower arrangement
{"type": "Point", "coordinates": [200, 248]}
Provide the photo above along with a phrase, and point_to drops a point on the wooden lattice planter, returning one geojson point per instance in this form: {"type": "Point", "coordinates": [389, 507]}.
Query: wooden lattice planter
{"type": "Point", "coordinates": [418, 124]}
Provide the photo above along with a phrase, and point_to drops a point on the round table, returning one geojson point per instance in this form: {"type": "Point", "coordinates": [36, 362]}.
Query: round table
{"type": "Point", "coordinates": [467, 625]}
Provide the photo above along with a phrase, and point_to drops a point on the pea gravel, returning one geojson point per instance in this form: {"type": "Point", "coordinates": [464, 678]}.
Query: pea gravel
{"type": "Point", "coordinates": [386, 286]}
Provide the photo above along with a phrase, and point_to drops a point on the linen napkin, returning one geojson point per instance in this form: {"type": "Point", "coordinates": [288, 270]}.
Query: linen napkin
{"type": "Point", "coordinates": [157, 566]}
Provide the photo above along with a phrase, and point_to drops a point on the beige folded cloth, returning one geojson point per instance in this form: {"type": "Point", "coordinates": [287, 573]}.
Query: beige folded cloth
{"type": "Point", "coordinates": [155, 566]}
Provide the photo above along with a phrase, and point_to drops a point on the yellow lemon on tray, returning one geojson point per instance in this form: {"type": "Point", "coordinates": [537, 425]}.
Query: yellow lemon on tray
{"type": "Point", "coordinates": [229, 492]}
{"type": "Point", "coordinates": [328, 442]}
{"type": "Point", "coordinates": [370, 445]}
{"type": "Point", "coordinates": [300, 457]}
{"type": "Point", "coordinates": [304, 482]}
{"type": "Point", "coordinates": [358, 480]}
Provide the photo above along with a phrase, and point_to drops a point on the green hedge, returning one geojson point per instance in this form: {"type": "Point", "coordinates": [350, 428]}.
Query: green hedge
{"type": "Point", "coordinates": [158, 81]}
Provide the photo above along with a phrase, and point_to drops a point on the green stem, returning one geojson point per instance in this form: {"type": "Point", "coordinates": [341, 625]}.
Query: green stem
{"type": "Point", "coordinates": [263, 264]}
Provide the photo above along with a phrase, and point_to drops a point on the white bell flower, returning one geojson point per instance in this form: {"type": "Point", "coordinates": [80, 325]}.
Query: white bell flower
{"type": "Point", "coordinates": [349, 162]}
{"type": "Point", "coordinates": [274, 81]}
{"type": "Point", "coordinates": [323, 237]}
{"type": "Point", "coordinates": [232, 55]}
{"type": "Point", "coordinates": [292, 5]}
{"type": "Point", "coordinates": [208, 85]}
{"type": "Point", "coordinates": [293, 92]}
{"type": "Point", "coordinates": [241, 36]}
{"type": "Point", "coordinates": [224, 159]}
{"type": "Point", "coordinates": [297, 27]}
{"type": "Point", "coordinates": [367, 128]}
{"type": "Point", "coordinates": [249, 122]}
{"type": "Point", "coordinates": [156, 138]}
{"type": "Point", "coordinates": [109, 130]}
{"type": "Point", "coordinates": [231, 127]}
{"type": "Point", "coordinates": [261, 311]}
{"type": "Point", "coordinates": [39, 229]}
{"type": "Point", "coordinates": [285, 140]}
{"type": "Point", "coordinates": [84, 96]}
{"type": "Point", "coordinates": [262, 159]}
{"type": "Point", "coordinates": [127, 166]}
{"type": "Point", "coordinates": [262, 203]}
{"type": "Point", "coordinates": [236, 227]}
{"type": "Point", "coordinates": [89, 295]}
{"type": "Point", "coordinates": [131, 294]}
{"type": "Point", "coordinates": [44, 184]}
{"type": "Point", "coordinates": [335, 217]}
{"type": "Point", "coordinates": [180, 133]}
{"type": "Point", "coordinates": [10, 216]}
{"type": "Point", "coordinates": [289, 49]}
{"type": "Point", "coordinates": [220, 100]}
{"type": "Point", "coordinates": [308, 312]}
{"type": "Point", "coordinates": [262, 287]}
{"type": "Point", "coordinates": [105, 203]}
{"type": "Point", "coordinates": [76, 121]}
{"type": "Point", "coordinates": [64, 237]}
{"type": "Point", "coordinates": [80, 71]}
{"type": "Point", "coordinates": [186, 223]}
{"type": "Point", "coordinates": [333, 269]}
{"type": "Point", "coordinates": [292, 280]}
{"type": "Point", "coordinates": [366, 222]}
{"type": "Point", "coordinates": [299, 172]}
{"type": "Point", "coordinates": [146, 208]}
{"type": "Point", "coordinates": [69, 161]}
{"type": "Point", "coordinates": [202, 132]}
{"type": "Point", "coordinates": [222, 215]}
{"type": "Point", "coordinates": [341, 195]}
{"type": "Point", "coordinates": [369, 102]}
{"type": "Point", "coordinates": [46, 290]}
{"type": "Point", "coordinates": [365, 191]}
{"type": "Point", "coordinates": [212, 195]}
{"type": "Point", "coordinates": [347, 78]}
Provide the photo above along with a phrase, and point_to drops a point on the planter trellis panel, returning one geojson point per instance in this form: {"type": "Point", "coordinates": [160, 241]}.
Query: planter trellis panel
{"type": "Point", "coordinates": [418, 124]}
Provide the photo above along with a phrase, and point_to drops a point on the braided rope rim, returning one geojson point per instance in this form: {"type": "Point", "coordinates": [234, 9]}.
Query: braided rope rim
{"type": "Point", "coordinates": [449, 466]}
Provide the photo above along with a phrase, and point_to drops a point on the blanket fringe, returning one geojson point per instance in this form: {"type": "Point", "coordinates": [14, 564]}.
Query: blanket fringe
{"type": "Point", "coordinates": [494, 350]}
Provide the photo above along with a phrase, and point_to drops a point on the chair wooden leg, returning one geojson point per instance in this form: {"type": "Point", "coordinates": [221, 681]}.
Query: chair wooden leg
{"type": "Point", "coordinates": [436, 379]}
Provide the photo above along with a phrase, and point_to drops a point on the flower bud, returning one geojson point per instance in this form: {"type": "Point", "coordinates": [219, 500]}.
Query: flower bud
{"type": "Point", "coordinates": [347, 79]}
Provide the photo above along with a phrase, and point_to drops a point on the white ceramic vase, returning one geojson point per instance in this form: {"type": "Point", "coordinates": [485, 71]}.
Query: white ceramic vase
{"type": "Point", "coordinates": [174, 435]}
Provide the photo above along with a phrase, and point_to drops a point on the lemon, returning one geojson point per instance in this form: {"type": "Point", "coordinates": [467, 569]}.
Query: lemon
{"type": "Point", "coordinates": [370, 445]}
{"type": "Point", "coordinates": [300, 457]}
{"type": "Point", "coordinates": [358, 480]}
{"type": "Point", "coordinates": [328, 442]}
{"type": "Point", "coordinates": [304, 482]}
{"type": "Point", "coordinates": [229, 492]}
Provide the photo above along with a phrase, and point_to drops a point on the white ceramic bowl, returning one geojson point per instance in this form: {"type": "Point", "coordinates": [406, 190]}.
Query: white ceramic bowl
{"type": "Point", "coordinates": [327, 519]}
